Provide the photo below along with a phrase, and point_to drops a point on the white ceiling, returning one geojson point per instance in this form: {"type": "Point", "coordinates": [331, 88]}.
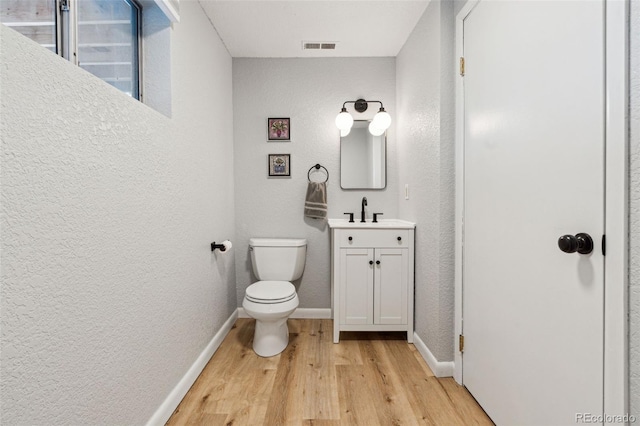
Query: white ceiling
{"type": "Point", "coordinates": [276, 29]}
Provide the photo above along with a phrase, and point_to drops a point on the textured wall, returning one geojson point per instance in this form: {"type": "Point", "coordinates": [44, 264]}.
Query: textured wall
{"type": "Point", "coordinates": [634, 255]}
{"type": "Point", "coordinates": [425, 102]}
{"type": "Point", "coordinates": [311, 92]}
{"type": "Point", "coordinates": [109, 288]}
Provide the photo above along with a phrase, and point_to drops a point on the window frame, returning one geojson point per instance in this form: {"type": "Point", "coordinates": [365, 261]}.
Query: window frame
{"type": "Point", "coordinates": [67, 37]}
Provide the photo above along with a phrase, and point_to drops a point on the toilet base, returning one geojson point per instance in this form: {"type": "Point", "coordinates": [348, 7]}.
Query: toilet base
{"type": "Point", "coordinates": [271, 335]}
{"type": "Point", "coordinates": [270, 338]}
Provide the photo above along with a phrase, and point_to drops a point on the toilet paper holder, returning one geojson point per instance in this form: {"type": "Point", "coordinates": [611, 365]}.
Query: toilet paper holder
{"type": "Point", "coordinates": [224, 246]}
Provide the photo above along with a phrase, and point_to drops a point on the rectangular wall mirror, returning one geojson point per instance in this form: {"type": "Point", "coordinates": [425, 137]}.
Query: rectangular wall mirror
{"type": "Point", "coordinates": [363, 158]}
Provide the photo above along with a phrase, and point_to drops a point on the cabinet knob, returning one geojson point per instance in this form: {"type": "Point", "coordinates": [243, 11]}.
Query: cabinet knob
{"type": "Point", "coordinates": [371, 262]}
{"type": "Point", "coordinates": [377, 262]}
{"type": "Point", "coordinates": [350, 238]}
{"type": "Point", "coordinates": [399, 238]}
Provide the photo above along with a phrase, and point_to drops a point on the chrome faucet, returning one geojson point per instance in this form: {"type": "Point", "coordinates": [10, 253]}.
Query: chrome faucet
{"type": "Point", "coordinates": [364, 203]}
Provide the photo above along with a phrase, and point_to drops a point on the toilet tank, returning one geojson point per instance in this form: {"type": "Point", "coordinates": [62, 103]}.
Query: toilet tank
{"type": "Point", "coordinates": [278, 259]}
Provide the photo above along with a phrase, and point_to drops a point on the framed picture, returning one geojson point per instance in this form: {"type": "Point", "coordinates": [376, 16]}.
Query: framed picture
{"type": "Point", "coordinates": [279, 129]}
{"type": "Point", "coordinates": [279, 165]}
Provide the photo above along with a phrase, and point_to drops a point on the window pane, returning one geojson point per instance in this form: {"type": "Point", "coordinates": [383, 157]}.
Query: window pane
{"type": "Point", "coordinates": [108, 42]}
{"type": "Point", "coordinates": [35, 19]}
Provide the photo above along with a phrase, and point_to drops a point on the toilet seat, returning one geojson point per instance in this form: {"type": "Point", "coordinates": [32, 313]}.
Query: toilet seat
{"type": "Point", "coordinates": [270, 292]}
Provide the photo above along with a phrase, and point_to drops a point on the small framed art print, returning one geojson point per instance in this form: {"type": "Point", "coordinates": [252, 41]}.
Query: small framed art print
{"type": "Point", "coordinates": [279, 165]}
{"type": "Point", "coordinates": [279, 129]}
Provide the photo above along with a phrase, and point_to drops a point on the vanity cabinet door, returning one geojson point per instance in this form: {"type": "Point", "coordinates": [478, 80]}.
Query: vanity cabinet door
{"type": "Point", "coordinates": [356, 286]}
{"type": "Point", "coordinates": [391, 268]}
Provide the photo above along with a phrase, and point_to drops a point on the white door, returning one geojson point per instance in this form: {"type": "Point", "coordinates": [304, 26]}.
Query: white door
{"type": "Point", "coordinates": [356, 286]}
{"type": "Point", "coordinates": [533, 171]}
{"type": "Point", "coordinates": [390, 286]}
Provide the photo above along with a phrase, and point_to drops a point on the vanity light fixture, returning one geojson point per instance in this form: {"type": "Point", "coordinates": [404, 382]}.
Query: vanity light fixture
{"type": "Point", "coordinates": [381, 121]}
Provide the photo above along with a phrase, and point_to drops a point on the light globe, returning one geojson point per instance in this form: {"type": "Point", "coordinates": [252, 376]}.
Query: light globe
{"type": "Point", "coordinates": [344, 120]}
{"type": "Point", "coordinates": [382, 119]}
{"type": "Point", "coordinates": [375, 130]}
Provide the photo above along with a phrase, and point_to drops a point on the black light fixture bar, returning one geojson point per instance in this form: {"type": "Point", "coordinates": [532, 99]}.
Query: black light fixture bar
{"type": "Point", "coordinates": [360, 105]}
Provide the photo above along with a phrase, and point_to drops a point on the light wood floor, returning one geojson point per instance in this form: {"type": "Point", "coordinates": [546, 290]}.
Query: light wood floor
{"type": "Point", "coordinates": [367, 379]}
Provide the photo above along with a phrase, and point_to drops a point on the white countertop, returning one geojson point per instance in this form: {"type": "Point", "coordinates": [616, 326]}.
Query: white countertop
{"type": "Point", "coordinates": [381, 224]}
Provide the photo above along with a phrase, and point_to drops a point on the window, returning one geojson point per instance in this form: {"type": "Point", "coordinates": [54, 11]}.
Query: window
{"type": "Point", "coordinates": [35, 19]}
{"type": "Point", "coordinates": [101, 36]}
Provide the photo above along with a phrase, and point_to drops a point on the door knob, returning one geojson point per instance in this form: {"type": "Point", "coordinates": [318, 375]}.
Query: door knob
{"type": "Point", "coordinates": [581, 243]}
{"type": "Point", "coordinates": [371, 262]}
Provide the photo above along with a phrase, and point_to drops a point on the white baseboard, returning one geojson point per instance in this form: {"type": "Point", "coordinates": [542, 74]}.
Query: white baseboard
{"type": "Point", "coordinates": [312, 313]}
{"type": "Point", "coordinates": [168, 406]}
{"type": "Point", "coordinates": [439, 368]}
{"type": "Point", "coordinates": [307, 313]}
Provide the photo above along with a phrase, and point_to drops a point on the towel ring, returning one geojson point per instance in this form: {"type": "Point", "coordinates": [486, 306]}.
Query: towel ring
{"type": "Point", "coordinates": [317, 167]}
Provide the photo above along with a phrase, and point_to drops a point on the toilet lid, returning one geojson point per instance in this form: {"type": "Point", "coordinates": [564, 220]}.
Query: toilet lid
{"type": "Point", "coordinates": [270, 291]}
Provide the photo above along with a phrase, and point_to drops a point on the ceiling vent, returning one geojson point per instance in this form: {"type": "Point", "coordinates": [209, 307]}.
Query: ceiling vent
{"type": "Point", "coordinates": [319, 45]}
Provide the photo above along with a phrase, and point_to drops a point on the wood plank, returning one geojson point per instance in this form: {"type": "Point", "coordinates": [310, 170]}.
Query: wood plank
{"type": "Point", "coordinates": [246, 368]}
{"type": "Point", "coordinates": [429, 401]}
{"type": "Point", "coordinates": [465, 404]}
{"type": "Point", "coordinates": [389, 399]}
{"type": "Point", "coordinates": [250, 404]}
{"type": "Point", "coordinates": [211, 391]}
{"type": "Point", "coordinates": [198, 400]}
{"type": "Point", "coordinates": [322, 422]}
{"type": "Point", "coordinates": [355, 396]}
{"type": "Point", "coordinates": [320, 386]}
{"type": "Point", "coordinates": [367, 379]}
{"type": "Point", "coordinates": [347, 352]}
{"type": "Point", "coordinates": [207, 419]}
{"type": "Point", "coordinates": [285, 403]}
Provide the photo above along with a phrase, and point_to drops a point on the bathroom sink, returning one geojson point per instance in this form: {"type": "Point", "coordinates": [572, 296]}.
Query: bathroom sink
{"type": "Point", "coordinates": [381, 224]}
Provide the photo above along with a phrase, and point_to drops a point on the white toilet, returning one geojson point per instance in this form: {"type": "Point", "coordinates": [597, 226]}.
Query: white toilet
{"type": "Point", "coordinates": [276, 262]}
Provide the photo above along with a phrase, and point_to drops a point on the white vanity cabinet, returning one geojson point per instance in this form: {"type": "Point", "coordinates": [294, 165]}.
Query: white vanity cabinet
{"type": "Point", "coordinates": [372, 276]}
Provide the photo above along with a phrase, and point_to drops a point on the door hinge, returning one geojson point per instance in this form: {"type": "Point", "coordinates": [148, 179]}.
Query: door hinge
{"type": "Point", "coordinates": [64, 5]}
{"type": "Point", "coordinates": [462, 66]}
{"type": "Point", "coordinates": [461, 343]}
